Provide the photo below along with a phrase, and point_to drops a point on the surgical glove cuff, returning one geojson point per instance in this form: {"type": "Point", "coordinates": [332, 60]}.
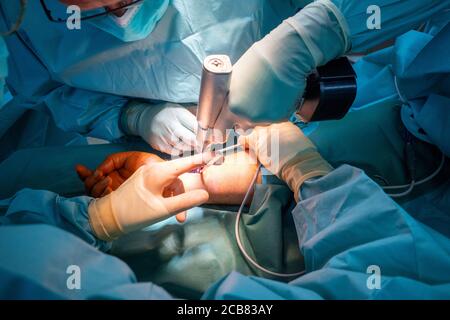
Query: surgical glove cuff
{"type": "Point", "coordinates": [102, 219]}
{"type": "Point", "coordinates": [324, 31]}
{"type": "Point", "coordinates": [307, 164]}
{"type": "Point", "coordinates": [132, 115]}
{"type": "Point", "coordinates": [269, 80]}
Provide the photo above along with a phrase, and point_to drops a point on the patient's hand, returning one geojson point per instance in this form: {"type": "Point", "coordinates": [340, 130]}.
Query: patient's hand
{"type": "Point", "coordinates": [226, 183]}
{"type": "Point", "coordinates": [113, 171]}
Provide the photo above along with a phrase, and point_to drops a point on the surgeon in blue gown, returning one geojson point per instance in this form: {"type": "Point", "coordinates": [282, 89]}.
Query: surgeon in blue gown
{"type": "Point", "coordinates": [267, 82]}
{"type": "Point", "coordinates": [346, 224]}
{"type": "Point", "coordinates": [77, 83]}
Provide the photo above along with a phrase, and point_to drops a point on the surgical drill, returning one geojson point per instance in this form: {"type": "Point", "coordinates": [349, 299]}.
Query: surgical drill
{"type": "Point", "coordinates": [329, 94]}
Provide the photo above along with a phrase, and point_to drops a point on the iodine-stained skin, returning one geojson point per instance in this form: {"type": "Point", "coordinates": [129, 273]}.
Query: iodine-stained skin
{"type": "Point", "coordinates": [226, 183]}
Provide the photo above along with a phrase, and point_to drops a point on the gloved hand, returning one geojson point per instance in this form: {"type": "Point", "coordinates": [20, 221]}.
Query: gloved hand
{"type": "Point", "coordinates": [269, 79]}
{"type": "Point", "coordinates": [285, 151]}
{"type": "Point", "coordinates": [140, 201]}
{"type": "Point", "coordinates": [116, 169]}
{"type": "Point", "coordinates": [167, 127]}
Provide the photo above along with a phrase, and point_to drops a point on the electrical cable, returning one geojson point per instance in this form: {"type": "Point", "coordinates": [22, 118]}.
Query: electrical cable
{"type": "Point", "coordinates": [413, 183]}
{"type": "Point", "coordinates": [255, 264]}
{"type": "Point", "coordinates": [425, 180]}
{"type": "Point", "coordinates": [240, 244]}
{"type": "Point", "coordinates": [405, 193]}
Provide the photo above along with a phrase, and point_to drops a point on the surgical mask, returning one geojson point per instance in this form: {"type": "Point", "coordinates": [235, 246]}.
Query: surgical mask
{"type": "Point", "coordinates": [137, 22]}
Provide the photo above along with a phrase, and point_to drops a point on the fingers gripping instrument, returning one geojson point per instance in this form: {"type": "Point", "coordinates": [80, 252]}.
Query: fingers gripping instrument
{"type": "Point", "coordinates": [330, 92]}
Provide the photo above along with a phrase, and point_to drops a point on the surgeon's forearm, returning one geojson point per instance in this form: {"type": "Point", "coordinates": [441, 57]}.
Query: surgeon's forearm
{"type": "Point", "coordinates": [89, 113]}
{"type": "Point", "coordinates": [226, 183]}
{"type": "Point", "coordinates": [45, 207]}
{"type": "Point", "coordinates": [395, 18]}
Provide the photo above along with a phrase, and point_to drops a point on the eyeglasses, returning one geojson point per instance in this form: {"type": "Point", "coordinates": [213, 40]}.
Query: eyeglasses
{"type": "Point", "coordinates": [56, 12]}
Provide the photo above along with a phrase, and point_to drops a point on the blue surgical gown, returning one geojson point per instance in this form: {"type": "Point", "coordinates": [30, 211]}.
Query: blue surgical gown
{"type": "Point", "coordinates": [345, 224]}
{"type": "Point", "coordinates": [42, 235]}
{"type": "Point", "coordinates": [415, 73]}
{"type": "Point", "coordinates": [82, 78]}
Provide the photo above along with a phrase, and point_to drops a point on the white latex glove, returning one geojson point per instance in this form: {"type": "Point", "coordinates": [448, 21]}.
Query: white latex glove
{"type": "Point", "coordinates": [167, 127]}
{"type": "Point", "coordinates": [285, 151]}
{"type": "Point", "coordinates": [139, 202]}
{"type": "Point", "coordinates": [268, 81]}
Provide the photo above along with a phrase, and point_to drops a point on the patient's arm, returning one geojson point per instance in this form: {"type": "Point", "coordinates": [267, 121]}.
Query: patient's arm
{"type": "Point", "coordinates": [226, 183]}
